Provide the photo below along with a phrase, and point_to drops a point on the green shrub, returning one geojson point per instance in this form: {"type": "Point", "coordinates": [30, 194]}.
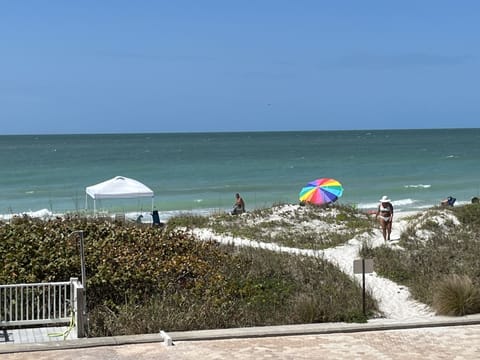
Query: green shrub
{"type": "Point", "coordinates": [456, 296]}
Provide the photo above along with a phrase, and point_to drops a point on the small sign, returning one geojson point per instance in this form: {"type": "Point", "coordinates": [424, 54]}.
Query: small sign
{"type": "Point", "coordinates": [358, 267]}
{"type": "Point", "coordinates": [363, 266]}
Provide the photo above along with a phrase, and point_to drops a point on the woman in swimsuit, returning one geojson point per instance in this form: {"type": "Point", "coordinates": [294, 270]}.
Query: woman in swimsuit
{"type": "Point", "coordinates": [385, 213]}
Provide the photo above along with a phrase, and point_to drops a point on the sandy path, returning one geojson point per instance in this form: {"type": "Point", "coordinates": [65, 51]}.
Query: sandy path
{"type": "Point", "coordinates": [394, 300]}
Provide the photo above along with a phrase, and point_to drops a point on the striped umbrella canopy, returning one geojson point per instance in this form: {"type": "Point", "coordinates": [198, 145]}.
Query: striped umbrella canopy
{"type": "Point", "coordinates": [321, 191]}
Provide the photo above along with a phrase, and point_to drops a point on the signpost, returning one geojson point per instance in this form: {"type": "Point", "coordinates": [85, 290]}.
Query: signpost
{"type": "Point", "coordinates": [363, 266]}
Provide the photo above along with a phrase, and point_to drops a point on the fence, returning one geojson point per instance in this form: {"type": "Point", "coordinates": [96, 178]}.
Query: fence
{"type": "Point", "coordinates": [43, 304]}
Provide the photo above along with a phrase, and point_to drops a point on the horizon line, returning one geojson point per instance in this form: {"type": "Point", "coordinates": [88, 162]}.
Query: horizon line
{"type": "Point", "coordinates": [231, 132]}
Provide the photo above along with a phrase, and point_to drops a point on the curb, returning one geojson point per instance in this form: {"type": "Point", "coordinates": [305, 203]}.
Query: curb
{"type": "Point", "coordinates": [240, 333]}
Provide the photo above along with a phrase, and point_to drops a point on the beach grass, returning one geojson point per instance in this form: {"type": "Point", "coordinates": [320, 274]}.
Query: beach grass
{"type": "Point", "coordinates": [263, 289]}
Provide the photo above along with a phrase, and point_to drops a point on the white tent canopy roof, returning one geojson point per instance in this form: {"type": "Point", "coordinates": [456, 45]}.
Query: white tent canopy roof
{"type": "Point", "coordinates": [119, 187]}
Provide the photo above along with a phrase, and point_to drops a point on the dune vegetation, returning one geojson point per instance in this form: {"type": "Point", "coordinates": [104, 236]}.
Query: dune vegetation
{"type": "Point", "coordinates": [141, 279]}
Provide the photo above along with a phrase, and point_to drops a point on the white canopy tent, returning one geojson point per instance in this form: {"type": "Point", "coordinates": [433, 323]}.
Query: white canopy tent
{"type": "Point", "coordinates": [119, 187]}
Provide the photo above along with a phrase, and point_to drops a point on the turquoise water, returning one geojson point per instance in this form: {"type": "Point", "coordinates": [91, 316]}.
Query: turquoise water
{"type": "Point", "coordinates": [203, 171]}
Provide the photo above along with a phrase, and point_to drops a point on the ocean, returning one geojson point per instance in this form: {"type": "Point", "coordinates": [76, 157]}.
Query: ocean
{"type": "Point", "coordinates": [201, 172]}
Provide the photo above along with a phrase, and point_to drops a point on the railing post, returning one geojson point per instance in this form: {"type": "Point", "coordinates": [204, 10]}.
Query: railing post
{"type": "Point", "coordinates": [78, 307]}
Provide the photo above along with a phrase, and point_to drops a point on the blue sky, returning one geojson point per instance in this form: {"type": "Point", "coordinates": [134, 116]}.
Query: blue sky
{"type": "Point", "coordinates": [166, 66]}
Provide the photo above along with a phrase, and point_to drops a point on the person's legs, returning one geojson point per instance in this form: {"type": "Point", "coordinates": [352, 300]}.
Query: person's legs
{"type": "Point", "coordinates": [384, 228]}
{"type": "Point", "coordinates": [389, 229]}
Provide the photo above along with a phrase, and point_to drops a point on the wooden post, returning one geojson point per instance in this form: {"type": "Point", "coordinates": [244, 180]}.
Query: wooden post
{"type": "Point", "coordinates": [361, 267]}
{"type": "Point", "coordinates": [363, 278]}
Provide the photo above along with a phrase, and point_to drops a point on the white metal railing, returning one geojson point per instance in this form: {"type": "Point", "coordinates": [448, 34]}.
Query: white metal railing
{"type": "Point", "coordinates": [41, 303]}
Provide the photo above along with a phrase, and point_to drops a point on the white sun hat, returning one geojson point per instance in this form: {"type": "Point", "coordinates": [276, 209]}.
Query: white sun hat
{"type": "Point", "coordinates": [384, 199]}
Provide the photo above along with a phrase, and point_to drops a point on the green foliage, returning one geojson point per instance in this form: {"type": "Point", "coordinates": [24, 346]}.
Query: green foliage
{"type": "Point", "coordinates": [121, 259]}
{"type": "Point", "coordinates": [33, 250]}
{"type": "Point", "coordinates": [141, 279]}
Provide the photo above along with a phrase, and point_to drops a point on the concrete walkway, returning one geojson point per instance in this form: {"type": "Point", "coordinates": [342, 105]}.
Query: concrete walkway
{"type": "Point", "coordinates": [455, 338]}
{"type": "Point", "coordinates": [10, 337]}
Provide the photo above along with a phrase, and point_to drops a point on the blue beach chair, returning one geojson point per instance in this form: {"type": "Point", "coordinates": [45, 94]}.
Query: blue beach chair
{"type": "Point", "coordinates": [449, 201]}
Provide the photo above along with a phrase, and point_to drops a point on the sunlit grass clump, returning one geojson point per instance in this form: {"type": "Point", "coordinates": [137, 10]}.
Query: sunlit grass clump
{"type": "Point", "coordinates": [456, 296]}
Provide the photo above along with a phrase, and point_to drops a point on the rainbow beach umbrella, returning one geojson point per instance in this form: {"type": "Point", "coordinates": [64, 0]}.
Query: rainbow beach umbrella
{"type": "Point", "coordinates": [321, 191]}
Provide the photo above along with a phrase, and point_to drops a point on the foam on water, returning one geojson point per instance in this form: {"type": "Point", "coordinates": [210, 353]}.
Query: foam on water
{"type": "Point", "coordinates": [424, 186]}
{"type": "Point", "coordinates": [399, 205]}
{"type": "Point", "coordinates": [39, 214]}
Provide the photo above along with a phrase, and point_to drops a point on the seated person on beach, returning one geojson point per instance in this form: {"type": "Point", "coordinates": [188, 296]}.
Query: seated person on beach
{"type": "Point", "coordinates": [449, 201]}
{"type": "Point", "coordinates": [385, 214]}
{"type": "Point", "coordinates": [239, 206]}
{"type": "Point", "coordinates": [156, 218]}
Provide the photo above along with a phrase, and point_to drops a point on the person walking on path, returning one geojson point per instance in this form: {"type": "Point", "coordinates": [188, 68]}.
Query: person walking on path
{"type": "Point", "coordinates": [385, 213]}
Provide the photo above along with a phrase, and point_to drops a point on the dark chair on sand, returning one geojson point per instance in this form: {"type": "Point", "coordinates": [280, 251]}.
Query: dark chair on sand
{"type": "Point", "coordinates": [156, 218]}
